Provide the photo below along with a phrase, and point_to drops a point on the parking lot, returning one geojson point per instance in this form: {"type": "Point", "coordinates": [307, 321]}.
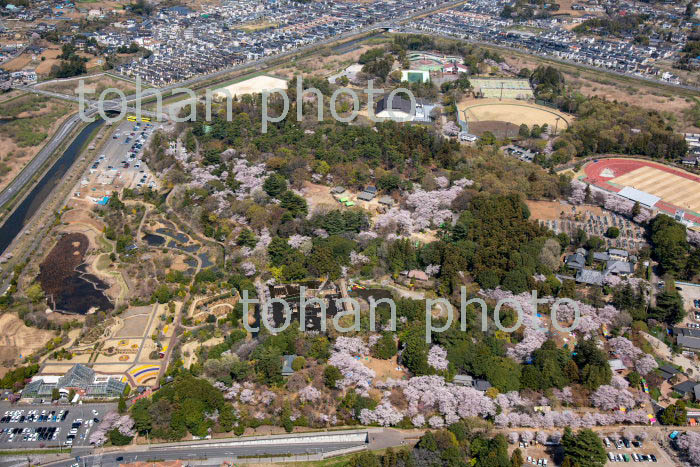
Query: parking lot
{"type": "Point", "coordinates": [45, 425]}
{"type": "Point", "coordinates": [621, 449]}
{"type": "Point", "coordinates": [119, 163]}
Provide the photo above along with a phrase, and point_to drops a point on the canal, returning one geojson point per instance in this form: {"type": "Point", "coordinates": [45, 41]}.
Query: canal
{"type": "Point", "coordinates": [28, 207]}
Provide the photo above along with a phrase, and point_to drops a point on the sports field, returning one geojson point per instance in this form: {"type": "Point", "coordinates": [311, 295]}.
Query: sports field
{"type": "Point", "coordinates": [677, 188]}
{"type": "Point", "coordinates": [502, 88]}
{"type": "Point", "coordinates": [255, 85]}
{"type": "Point", "coordinates": [513, 111]}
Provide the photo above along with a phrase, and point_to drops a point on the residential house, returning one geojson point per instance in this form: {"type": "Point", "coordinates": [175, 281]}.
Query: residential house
{"type": "Point", "coordinates": [668, 371]}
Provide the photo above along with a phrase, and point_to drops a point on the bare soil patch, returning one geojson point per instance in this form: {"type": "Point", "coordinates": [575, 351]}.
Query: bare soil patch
{"type": "Point", "coordinates": [385, 369]}
{"type": "Point", "coordinates": [17, 339]}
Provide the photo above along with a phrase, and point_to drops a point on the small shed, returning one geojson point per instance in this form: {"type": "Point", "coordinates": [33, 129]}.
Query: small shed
{"type": "Point", "coordinates": [464, 380]}
{"type": "Point", "coordinates": [336, 190]}
{"type": "Point", "coordinates": [365, 196]}
{"type": "Point", "coordinates": [386, 200]}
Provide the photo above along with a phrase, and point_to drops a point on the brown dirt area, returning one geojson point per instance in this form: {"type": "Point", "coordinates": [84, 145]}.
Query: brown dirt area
{"type": "Point", "coordinates": [82, 216]}
{"type": "Point", "coordinates": [513, 111]}
{"type": "Point", "coordinates": [318, 195]}
{"type": "Point", "coordinates": [385, 368]}
{"type": "Point", "coordinates": [18, 339]}
{"type": "Point", "coordinates": [551, 210]}
{"type": "Point", "coordinates": [28, 61]}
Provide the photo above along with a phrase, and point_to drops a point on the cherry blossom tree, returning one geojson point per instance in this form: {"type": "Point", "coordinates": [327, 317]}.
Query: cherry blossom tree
{"type": "Point", "coordinates": [541, 437]}
{"type": "Point", "coordinates": [513, 437]}
{"type": "Point", "coordinates": [351, 345]}
{"type": "Point", "coordinates": [358, 258]}
{"type": "Point", "coordinates": [608, 398]}
{"type": "Point", "coordinates": [418, 421]}
{"type": "Point", "coordinates": [526, 437]}
{"type": "Point", "coordinates": [309, 394]}
{"type": "Point", "coordinates": [436, 421]}
{"type": "Point", "coordinates": [437, 358]}
{"type": "Point", "coordinates": [690, 443]}
{"type": "Point", "coordinates": [248, 268]}
{"type": "Point", "coordinates": [385, 415]}
{"type": "Point", "coordinates": [578, 192]}
{"type": "Point", "coordinates": [564, 395]}
{"type": "Point", "coordinates": [432, 269]}
{"type": "Point", "coordinates": [296, 241]}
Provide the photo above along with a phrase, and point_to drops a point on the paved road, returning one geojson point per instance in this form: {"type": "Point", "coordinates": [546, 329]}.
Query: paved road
{"type": "Point", "coordinates": [191, 453]}
{"type": "Point", "coordinates": [68, 126]}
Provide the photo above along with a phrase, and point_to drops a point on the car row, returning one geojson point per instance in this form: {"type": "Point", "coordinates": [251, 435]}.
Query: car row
{"type": "Point", "coordinates": [42, 433]}
{"type": "Point", "coordinates": [534, 461]}
{"type": "Point", "coordinates": [19, 416]}
{"type": "Point", "coordinates": [632, 457]}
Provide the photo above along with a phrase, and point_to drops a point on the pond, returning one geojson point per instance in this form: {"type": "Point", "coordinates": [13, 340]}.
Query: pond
{"type": "Point", "coordinates": [179, 236]}
{"type": "Point", "coordinates": [65, 281]}
{"type": "Point", "coordinates": [153, 239]}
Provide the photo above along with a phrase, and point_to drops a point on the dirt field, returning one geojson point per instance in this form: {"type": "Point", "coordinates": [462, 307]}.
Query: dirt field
{"type": "Point", "coordinates": [17, 339]}
{"type": "Point", "coordinates": [254, 85]}
{"type": "Point", "coordinates": [385, 368]}
{"type": "Point", "coordinates": [133, 326]}
{"type": "Point", "coordinates": [318, 195]}
{"type": "Point", "coordinates": [551, 210]}
{"type": "Point", "coordinates": [42, 63]}
{"type": "Point", "coordinates": [513, 111]}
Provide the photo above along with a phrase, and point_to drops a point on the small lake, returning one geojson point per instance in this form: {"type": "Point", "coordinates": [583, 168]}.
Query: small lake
{"type": "Point", "coordinates": [64, 278]}
{"type": "Point", "coordinates": [154, 240]}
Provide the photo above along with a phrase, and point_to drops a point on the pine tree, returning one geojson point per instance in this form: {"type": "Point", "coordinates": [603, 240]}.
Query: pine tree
{"type": "Point", "coordinates": [516, 460]}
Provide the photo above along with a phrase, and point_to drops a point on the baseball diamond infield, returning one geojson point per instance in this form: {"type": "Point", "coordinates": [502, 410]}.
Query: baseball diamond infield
{"type": "Point", "coordinates": [515, 112]}
{"type": "Point", "coordinates": [677, 188]}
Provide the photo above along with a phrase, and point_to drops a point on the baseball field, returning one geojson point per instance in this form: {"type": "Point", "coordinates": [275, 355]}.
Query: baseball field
{"type": "Point", "coordinates": [513, 111]}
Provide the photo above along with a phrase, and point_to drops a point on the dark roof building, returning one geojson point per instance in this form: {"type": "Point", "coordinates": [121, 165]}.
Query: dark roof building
{"type": "Point", "coordinates": [668, 371]}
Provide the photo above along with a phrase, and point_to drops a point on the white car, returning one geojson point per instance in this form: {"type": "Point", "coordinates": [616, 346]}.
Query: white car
{"type": "Point", "coordinates": [95, 413]}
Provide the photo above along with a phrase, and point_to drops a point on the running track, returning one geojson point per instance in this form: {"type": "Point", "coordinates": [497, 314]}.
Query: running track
{"type": "Point", "coordinates": [623, 166]}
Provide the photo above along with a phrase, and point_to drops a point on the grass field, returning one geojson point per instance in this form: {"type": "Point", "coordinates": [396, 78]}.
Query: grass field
{"type": "Point", "coordinates": [513, 111]}
{"type": "Point", "coordinates": [31, 119]}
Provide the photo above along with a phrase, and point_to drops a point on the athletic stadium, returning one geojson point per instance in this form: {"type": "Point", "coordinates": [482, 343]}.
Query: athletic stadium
{"type": "Point", "coordinates": [655, 186]}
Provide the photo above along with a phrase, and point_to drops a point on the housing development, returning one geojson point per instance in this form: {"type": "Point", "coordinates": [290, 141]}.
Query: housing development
{"type": "Point", "coordinates": [349, 233]}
